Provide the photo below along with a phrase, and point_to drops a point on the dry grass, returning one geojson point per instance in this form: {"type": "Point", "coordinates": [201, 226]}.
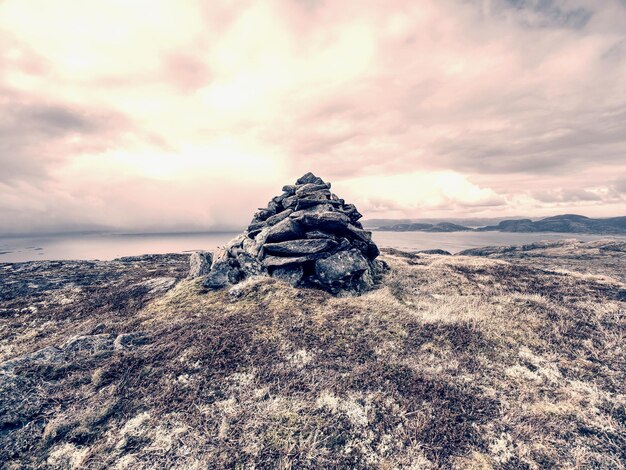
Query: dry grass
{"type": "Point", "coordinates": [455, 362]}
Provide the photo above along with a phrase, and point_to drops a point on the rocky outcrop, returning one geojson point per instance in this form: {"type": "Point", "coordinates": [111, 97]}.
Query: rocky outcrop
{"type": "Point", "coordinates": [306, 236]}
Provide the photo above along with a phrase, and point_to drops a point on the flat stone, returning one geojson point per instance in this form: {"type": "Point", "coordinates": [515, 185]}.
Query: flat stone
{"type": "Point", "coordinates": [256, 227]}
{"type": "Point", "coordinates": [277, 261]}
{"type": "Point", "coordinates": [319, 209]}
{"type": "Point", "coordinates": [300, 247]}
{"type": "Point", "coordinates": [305, 203]}
{"type": "Point", "coordinates": [305, 190]}
{"type": "Point", "coordinates": [320, 234]}
{"type": "Point", "coordinates": [287, 229]}
{"type": "Point", "coordinates": [358, 233]}
{"type": "Point", "coordinates": [324, 221]}
{"type": "Point", "coordinates": [273, 220]}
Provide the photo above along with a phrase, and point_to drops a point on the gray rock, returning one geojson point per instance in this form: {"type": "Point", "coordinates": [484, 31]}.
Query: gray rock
{"type": "Point", "coordinates": [300, 247]}
{"type": "Point", "coordinates": [100, 342]}
{"type": "Point", "coordinates": [358, 233]}
{"type": "Point", "coordinates": [347, 270]}
{"type": "Point", "coordinates": [200, 263]}
{"type": "Point", "coordinates": [324, 221]}
{"type": "Point", "coordinates": [224, 271]}
{"type": "Point", "coordinates": [262, 214]}
{"type": "Point", "coordinates": [249, 265]}
{"type": "Point", "coordinates": [274, 207]}
{"type": "Point", "coordinates": [340, 265]}
{"type": "Point", "coordinates": [273, 220]}
{"type": "Point", "coordinates": [290, 274]}
{"type": "Point", "coordinates": [312, 188]}
{"type": "Point", "coordinates": [158, 285]}
{"type": "Point", "coordinates": [252, 247]}
{"type": "Point", "coordinates": [235, 242]}
{"type": "Point", "coordinates": [256, 227]}
{"type": "Point", "coordinates": [130, 340]}
{"type": "Point", "coordinates": [319, 234]}
{"type": "Point", "coordinates": [45, 355]}
{"type": "Point", "coordinates": [305, 203]}
{"type": "Point", "coordinates": [309, 178]}
{"type": "Point", "coordinates": [290, 201]}
{"type": "Point", "coordinates": [276, 261]}
{"type": "Point", "coordinates": [351, 211]}
{"type": "Point", "coordinates": [289, 189]}
{"type": "Point", "coordinates": [287, 229]}
{"type": "Point", "coordinates": [317, 209]}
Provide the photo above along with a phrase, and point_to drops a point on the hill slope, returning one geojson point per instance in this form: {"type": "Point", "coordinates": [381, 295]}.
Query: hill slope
{"type": "Point", "coordinates": [456, 361]}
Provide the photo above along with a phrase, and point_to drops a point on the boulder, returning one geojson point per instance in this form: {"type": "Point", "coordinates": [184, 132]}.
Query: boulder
{"type": "Point", "coordinates": [200, 263]}
{"type": "Point", "coordinates": [344, 271]}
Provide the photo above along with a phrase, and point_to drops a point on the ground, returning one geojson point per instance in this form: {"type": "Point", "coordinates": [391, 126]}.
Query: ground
{"type": "Point", "coordinates": [513, 359]}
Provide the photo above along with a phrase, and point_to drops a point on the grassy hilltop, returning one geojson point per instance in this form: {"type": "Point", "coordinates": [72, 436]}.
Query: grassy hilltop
{"type": "Point", "coordinates": [511, 359]}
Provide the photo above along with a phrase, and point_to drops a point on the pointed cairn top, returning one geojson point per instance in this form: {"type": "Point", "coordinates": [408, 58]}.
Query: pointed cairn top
{"type": "Point", "coordinates": [310, 178]}
{"type": "Point", "coordinates": [306, 236]}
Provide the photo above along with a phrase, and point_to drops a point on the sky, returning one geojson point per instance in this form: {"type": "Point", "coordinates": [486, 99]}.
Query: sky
{"type": "Point", "coordinates": [169, 115]}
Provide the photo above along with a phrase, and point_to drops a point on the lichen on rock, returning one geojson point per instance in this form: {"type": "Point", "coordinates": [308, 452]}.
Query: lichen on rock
{"type": "Point", "coordinates": [307, 236]}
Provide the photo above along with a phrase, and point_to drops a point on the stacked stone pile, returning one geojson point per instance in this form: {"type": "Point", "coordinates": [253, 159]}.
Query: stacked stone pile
{"type": "Point", "coordinates": [306, 236]}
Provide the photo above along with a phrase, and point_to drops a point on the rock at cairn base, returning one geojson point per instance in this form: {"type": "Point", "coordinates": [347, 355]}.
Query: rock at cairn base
{"type": "Point", "coordinates": [200, 263]}
{"type": "Point", "coordinates": [307, 236]}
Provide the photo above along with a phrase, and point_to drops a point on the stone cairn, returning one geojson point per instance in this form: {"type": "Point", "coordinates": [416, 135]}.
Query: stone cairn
{"type": "Point", "coordinates": [307, 236]}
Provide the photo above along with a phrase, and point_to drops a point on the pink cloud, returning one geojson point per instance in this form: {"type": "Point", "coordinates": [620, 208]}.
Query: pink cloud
{"type": "Point", "coordinates": [153, 118]}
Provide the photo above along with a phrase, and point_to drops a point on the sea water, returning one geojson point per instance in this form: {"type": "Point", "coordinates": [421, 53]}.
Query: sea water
{"type": "Point", "coordinates": [110, 246]}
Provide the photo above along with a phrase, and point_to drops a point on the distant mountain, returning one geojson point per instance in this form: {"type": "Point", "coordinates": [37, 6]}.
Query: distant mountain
{"type": "Point", "coordinates": [465, 221]}
{"type": "Point", "coordinates": [567, 223]}
{"type": "Point", "coordinates": [440, 227]}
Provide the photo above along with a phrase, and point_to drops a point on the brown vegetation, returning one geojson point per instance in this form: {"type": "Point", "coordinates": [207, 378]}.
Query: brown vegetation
{"type": "Point", "coordinates": [454, 362]}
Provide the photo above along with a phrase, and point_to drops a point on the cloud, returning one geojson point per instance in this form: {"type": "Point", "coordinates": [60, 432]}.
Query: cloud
{"type": "Point", "coordinates": [194, 114]}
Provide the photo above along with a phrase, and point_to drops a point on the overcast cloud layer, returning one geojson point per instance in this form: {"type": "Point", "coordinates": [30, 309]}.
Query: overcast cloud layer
{"type": "Point", "coordinates": [170, 115]}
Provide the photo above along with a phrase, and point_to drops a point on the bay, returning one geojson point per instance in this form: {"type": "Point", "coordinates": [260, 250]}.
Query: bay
{"type": "Point", "coordinates": [110, 246]}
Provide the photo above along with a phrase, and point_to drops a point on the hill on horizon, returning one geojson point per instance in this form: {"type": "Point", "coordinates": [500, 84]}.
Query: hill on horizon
{"type": "Point", "coordinates": [565, 223]}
